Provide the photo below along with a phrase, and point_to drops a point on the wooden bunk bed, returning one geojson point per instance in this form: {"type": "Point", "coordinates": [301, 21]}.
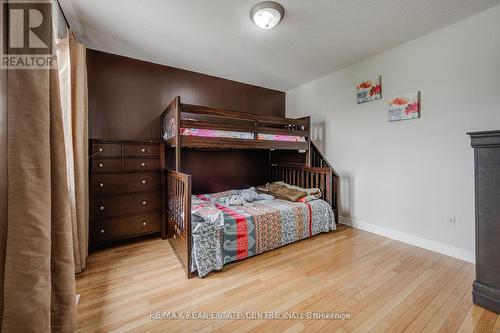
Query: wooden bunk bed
{"type": "Point", "coordinates": [197, 127]}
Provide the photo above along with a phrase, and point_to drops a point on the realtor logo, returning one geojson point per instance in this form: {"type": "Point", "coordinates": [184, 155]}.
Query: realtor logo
{"type": "Point", "coordinates": [26, 34]}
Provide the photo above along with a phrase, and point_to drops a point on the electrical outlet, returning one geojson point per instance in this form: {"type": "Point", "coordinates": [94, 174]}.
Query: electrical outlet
{"type": "Point", "coordinates": [452, 221]}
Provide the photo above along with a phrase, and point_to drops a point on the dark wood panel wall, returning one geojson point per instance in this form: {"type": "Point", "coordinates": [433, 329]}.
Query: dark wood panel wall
{"type": "Point", "coordinates": [220, 170]}
{"type": "Point", "coordinates": [225, 170]}
{"type": "Point", "coordinates": [127, 96]}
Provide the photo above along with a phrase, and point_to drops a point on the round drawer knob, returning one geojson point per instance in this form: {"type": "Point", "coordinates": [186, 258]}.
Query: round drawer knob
{"type": "Point", "coordinates": [101, 231]}
{"type": "Point", "coordinates": [144, 181]}
{"type": "Point", "coordinates": [144, 223]}
{"type": "Point", "coordinates": [101, 184]}
{"type": "Point", "coordinates": [101, 150]}
{"type": "Point", "coordinates": [100, 165]}
{"type": "Point", "coordinates": [143, 164]}
{"type": "Point", "coordinates": [101, 208]}
{"type": "Point", "coordinates": [144, 202]}
{"type": "Point", "coordinates": [143, 150]}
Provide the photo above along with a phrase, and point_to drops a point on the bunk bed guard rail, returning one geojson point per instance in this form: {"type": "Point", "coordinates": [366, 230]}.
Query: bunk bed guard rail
{"type": "Point", "coordinates": [178, 191]}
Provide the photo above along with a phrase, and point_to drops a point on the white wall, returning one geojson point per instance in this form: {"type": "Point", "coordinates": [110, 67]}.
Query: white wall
{"type": "Point", "coordinates": [404, 179]}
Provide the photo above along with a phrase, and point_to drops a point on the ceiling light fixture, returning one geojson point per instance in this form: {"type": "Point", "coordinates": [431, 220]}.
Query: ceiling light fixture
{"type": "Point", "coordinates": [267, 14]}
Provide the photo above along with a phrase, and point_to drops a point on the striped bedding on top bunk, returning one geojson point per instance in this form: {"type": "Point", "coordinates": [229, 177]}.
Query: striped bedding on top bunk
{"type": "Point", "coordinates": [212, 133]}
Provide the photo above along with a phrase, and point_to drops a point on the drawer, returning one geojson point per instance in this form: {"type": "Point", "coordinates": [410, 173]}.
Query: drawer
{"type": "Point", "coordinates": [141, 164]}
{"type": "Point", "coordinates": [103, 165]}
{"type": "Point", "coordinates": [106, 207]}
{"type": "Point", "coordinates": [125, 227]}
{"type": "Point", "coordinates": [106, 149]}
{"type": "Point", "coordinates": [123, 183]}
{"type": "Point", "coordinates": [142, 150]}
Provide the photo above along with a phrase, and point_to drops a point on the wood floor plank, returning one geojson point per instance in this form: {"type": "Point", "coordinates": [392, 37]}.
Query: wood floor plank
{"type": "Point", "coordinates": [486, 322]}
{"type": "Point", "coordinates": [384, 323]}
{"type": "Point", "coordinates": [415, 275]}
{"type": "Point", "coordinates": [496, 327]}
{"type": "Point", "coordinates": [424, 317]}
{"type": "Point", "coordinates": [444, 310]}
{"type": "Point", "coordinates": [385, 285]}
{"type": "Point", "coordinates": [471, 319]}
{"type": "Point", "coordinates": [401, 315]}
{"type": "Point", "coordinates": [456, 317]}
{"type": "Point", "coordinates": [374, 297]}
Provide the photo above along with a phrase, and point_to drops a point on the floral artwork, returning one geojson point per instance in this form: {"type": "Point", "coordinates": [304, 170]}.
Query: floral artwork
{"type": "Point", "coordinates": [369, 90]}
{"type": "Point", "coordinates": [405, 107]}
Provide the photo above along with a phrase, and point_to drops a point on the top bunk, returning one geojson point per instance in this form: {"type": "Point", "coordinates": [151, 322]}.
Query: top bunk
{"type": "Point", "coordinates": [193, 126]}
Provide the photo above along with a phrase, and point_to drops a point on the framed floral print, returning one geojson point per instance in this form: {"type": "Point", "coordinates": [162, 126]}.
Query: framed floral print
{"type": "Point", "coordinates": [369, 90]}
{"type": "Point", "coordinates": [405, 107]}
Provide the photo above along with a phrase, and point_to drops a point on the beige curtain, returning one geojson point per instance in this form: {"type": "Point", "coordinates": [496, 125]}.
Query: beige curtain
{"type": "Point", "coordinates": [39, 284]}
{"type": "Point", "coordinates": [3, 179]}
{"type": "Point", "coordinates": [73, 84]}
{"type": "Point", "coordinates": [80, 148]}
{"type": "Point", "coordinates": [43, 205]}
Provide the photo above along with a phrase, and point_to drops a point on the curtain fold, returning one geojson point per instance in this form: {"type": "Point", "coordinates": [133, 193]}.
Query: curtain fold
{"type": "Point", "coordinates": [3, 179]}
{"type": "Point", "coordinates": [73, 91]}
{"type": "Point", "coordinates": [79, 127]}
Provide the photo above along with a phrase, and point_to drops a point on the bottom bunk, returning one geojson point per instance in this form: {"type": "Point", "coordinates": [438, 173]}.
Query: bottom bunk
{"type": "Point", "coordinates": [208, 231]}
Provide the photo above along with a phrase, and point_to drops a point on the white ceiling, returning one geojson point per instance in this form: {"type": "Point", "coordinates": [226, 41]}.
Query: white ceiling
{"type": "Point", "coordinates": [217, 37]}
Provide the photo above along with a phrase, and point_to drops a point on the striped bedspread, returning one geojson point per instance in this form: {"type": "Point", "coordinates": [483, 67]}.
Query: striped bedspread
{"type": "Point", "coordinates": [223, 234]}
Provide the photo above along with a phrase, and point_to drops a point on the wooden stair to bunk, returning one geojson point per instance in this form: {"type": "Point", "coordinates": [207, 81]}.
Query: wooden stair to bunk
{"type": "Point", "coordinates": [318, 160]}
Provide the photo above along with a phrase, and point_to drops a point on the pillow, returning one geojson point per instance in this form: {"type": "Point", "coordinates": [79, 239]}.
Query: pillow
{"type": "Point", "coordinates": [289, 194]}
{"type": "Point", "coordinates": [316, 192]}
{"type": "Point", "coordinates": [282, 192]}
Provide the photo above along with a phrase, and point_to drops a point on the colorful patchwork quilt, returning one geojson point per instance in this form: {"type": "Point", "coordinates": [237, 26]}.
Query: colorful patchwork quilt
{"type": "Point", "coordinates": [223, 234]}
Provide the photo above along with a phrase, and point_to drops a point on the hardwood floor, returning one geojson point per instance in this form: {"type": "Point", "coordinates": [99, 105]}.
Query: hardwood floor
{"type": "Point", "coordinates": [385, 286]}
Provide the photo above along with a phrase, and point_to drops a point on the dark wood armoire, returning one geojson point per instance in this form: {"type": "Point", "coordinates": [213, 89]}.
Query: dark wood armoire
{"type": "Point", "coordinates": [486, 287]}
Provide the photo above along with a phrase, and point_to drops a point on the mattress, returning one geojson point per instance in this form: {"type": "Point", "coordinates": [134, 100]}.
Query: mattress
{"type": "Point", "coordinates": [213, 133]}
{"type": "Point", "coordinates": [223, 234]}
{"type": "Point", "coordinates": [279, 137]}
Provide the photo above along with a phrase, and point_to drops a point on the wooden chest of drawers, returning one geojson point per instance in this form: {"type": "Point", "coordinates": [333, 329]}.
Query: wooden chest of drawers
{"type": "Point", "coordinates": [125, 190]}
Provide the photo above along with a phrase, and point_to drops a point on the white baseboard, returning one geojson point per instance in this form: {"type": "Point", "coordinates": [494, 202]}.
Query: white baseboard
{"type": "Point", "coordinates": [427, 244]}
